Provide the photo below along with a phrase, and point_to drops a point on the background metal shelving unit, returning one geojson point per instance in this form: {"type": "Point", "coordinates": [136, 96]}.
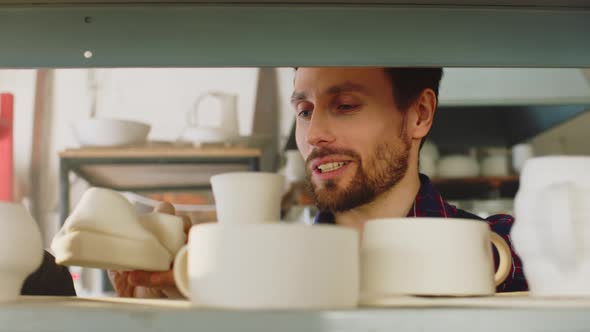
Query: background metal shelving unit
{"type": "Point", "coordinates": [80, 161]}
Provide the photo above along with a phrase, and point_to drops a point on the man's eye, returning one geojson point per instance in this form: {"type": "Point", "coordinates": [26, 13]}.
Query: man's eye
{"type": "Point", "coordinates": [347, 107]}
{"type": "Point", "coordinates": [304, 114]}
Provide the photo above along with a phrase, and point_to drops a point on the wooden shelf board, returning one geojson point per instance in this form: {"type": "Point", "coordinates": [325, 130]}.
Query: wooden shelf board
{"type": "Point", "coordinates": [477, 187]}
{"type": "Point", "coordinates": [154, 176]}
{"type": "Point", "coordinates": [159, 151]}
{"type": "Point", "coordinates": [477, 180]}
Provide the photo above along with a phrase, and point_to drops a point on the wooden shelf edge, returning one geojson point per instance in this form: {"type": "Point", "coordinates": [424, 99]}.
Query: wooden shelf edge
{"type": "Point", "coordinates": [477, 180]}
{"type": "Point", "coordinates": [169, 151]}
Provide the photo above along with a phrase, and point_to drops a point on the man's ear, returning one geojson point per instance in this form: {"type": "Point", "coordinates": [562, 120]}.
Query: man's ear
{"type": "Point", "coordinates": [422, 115]}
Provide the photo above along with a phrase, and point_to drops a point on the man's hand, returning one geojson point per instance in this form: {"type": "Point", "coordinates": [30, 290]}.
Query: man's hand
{"type": "Point", "coordinates": [144, 284]}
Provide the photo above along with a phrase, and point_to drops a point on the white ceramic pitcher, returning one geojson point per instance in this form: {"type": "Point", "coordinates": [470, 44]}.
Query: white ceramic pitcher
{"type": "Point", "coordinates": [21, 249]}
{"type": "Point", "coordinates": [552, 228]}
{"type": "Point", "coordinates": [227, 127]}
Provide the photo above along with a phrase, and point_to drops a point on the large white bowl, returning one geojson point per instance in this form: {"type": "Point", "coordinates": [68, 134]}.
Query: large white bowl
{"type": "Point", "coordinates": [270, 267]}
{"type": "Point", "coordinates": [110, 132]}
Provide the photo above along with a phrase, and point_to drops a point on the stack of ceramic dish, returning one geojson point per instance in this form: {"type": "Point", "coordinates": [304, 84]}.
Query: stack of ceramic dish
{"type": "Point", "coordinates": [248, 260]}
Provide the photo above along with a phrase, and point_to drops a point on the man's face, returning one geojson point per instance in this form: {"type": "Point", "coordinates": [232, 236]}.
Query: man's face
{"type": "Point", "coordinates": [351, 134]}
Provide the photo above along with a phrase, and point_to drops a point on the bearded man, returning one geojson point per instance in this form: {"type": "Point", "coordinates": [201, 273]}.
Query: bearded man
{"type": "Point", "coordinates": [360, 131]}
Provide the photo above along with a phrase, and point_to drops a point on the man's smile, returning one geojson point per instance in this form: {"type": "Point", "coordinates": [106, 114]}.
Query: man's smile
{"type": "Point", "coordinates": [329, 167]}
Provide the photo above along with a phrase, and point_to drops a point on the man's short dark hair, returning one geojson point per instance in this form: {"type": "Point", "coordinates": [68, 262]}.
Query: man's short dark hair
{"type": "Point", "coordinates": [408, 83]}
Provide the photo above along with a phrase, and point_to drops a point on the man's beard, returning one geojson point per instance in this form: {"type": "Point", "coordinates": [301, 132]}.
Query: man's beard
{"type": "Point", "coordinates": [385, 169]}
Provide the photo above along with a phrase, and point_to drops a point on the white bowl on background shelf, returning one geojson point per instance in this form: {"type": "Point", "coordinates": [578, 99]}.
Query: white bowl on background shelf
{"type": "Point", "coordinates": [429, 150]}
{"type": "Point", "coordinates": [457, 166]}
{"type": "Point", "coordinates": [427, 166]}
{"type": "Point", "coordinates": [110, 132]}
{"type": "Point", "coordinates": [495, 165]}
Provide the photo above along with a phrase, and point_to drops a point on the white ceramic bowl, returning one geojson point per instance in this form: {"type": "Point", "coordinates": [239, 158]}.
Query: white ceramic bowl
{"type": "Point", "coordinates": [429, 150]}
{"type": "Point", "coordinates": [270, 266]}
{"type": "Point", "coordinates": [110, 132]}
{"type": "Point", "coordinates": [457, 166]}
{"type": "Point", "coordinates": [427, 166]}
{"type": "Point", "coordinates": [495, 165]}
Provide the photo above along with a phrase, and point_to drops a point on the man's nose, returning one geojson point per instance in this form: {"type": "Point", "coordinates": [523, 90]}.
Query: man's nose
{"type": "Point", "coordinates": [320, 131]}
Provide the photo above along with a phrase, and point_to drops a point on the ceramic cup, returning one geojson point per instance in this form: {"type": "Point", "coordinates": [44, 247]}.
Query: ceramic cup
{"type": "Point", "coordinates": [248, 197]}
{"type": "Point", "coordinates": [21, 247]}
{"type": "Point", "coordinates": [430, 257]}
{"type": "Point", "coordinates": [269, 266]}
{"type": "Point", "coordinates": [552, 229]}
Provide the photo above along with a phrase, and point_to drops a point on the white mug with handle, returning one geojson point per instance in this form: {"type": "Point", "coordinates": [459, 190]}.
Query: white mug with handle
{"type": "Point", "coordinates": [430, 257]}
{"type": "Point", "coordinates": [552, 229]}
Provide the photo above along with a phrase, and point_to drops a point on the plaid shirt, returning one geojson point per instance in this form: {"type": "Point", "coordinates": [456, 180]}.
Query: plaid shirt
{"type": "Point", "coordinates": [429, 203]}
